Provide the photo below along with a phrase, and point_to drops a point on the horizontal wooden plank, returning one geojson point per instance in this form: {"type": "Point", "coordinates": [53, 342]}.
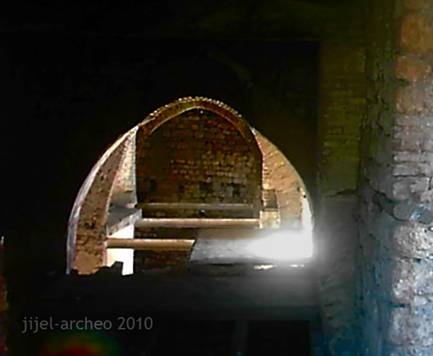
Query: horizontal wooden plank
{"type": "Point", "coordinates": [198, 206]}
{"type": "Point", "coordinates": [196, 223]}
{"type": "Point", "coordinates": [150, 244]}
{"type": "Point", "coordinates": [120, 217]}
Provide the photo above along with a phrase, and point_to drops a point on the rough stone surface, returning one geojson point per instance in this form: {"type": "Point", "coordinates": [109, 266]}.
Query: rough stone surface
{"type": "Point", "coordinates": [416, 34]}
{"type": "Point", "coordinates": [411, 326]}
{"type": "Point", "coordinates": [412, 69]}
{"type": "Point", "coordinates": [411, 278]}
{"type": "Point", "coordinates": [413, 240]}
{"type": "Point", "coordinates": [397, 264]}
{"type": "Point", "coordinates": [405, 188]}
{"type": "Point", "coordinates": [410, 100]}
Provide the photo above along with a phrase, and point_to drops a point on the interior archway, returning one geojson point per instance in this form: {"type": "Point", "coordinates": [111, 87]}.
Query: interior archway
{"type": "Point", "coordinates": [234, 198]}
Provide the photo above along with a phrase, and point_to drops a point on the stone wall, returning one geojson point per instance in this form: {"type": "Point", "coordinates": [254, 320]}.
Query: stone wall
{"type": "Point", "coordinates": [396, 209]}
{"type": "Point", "coordinates": [198, 157]}
{"type": "Point", "coordinates": [410, 239]}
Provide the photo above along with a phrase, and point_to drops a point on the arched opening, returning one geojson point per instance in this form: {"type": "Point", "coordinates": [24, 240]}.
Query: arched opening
{"type": "Point", "coordinates": [193, 183]}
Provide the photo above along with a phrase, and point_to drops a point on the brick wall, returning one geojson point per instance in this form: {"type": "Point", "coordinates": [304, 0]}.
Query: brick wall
{"type": "Point", "coordinates": [197, 157]}
{"type": "Point", "coordinates": [342, 103]}
{"type": "Point", "coordinates": [341, 112]}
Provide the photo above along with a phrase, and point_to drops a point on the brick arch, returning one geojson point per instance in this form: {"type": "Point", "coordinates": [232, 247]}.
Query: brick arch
{"type": "Point", "coordinates": [87, 223]}
{"type": "Point", "coordinates": [282, 177]}
{"type": "Point", "coordinates": [182, 105]}
{"type": "Point", "coordinates": [197, 113]}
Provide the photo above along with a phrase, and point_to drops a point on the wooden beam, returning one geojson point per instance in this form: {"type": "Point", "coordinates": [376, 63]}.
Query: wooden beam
{"type": "Point", "coordinates": [120, 217]}
{"type": "Point", "coordinates": [150, 244]}
{"type": "Point", "coordinates": [198, 206]}
{"type": "Point", "coordinates": [204, 223]}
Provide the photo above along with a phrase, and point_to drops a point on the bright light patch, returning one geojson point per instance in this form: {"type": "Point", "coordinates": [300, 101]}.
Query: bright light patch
{"type": "Point", "coordinates": [263, 267]}
{"type": "Point", "coordinates": [284, 245]}
{"type": "Point", "coordinates": [124, 255]}
{"type": "Point", "coordinates": [287, 245]}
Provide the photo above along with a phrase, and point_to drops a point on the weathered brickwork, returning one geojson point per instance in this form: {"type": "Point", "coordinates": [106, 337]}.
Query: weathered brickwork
{"type": "Point", "coordinates": [87, 225]}
{"type": "Point", "coordinates": [219, 167]}
{"type": "Point", "coordinates": [124, 186]}
{"type": "Point", "coordinates": [279, 175]}
{"type": "Point", "coordinates": [342, 108]}
{"type": "Point", "coordinates": [411, 239]}
{"type": "Point", "coordinates": [395, 229]}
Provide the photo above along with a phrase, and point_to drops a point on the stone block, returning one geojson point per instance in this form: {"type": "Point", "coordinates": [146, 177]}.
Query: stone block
{"type": "Point", "coordinates": [412, 211]}
{"type": "Point", "coordinates": [404, 156]}
{"type": "Point", "coordinates": [427, 196]}
{"type": "Point", "coordinates": [410, 99]}
{"type": "Point", "coordinates": [412, 240]}
{"type": "Point", "coordinates": [414, 121]}
{"type": "Point", "coordinates": [412, 169]}
{"type": "Point", "coordinates": [411, 68]}
{"type": "Point", "coordinates": [404, 188]}
{"type": "Point", "coordinates": [404, 169]}
{"type": "Point", "coordinates": [410, 278]}
{"type": "Point", "coordinates": [411, 326]}
{"type": "Point", "coordinates": [416, 34]}
{"type": "Point", "coordinates": [410, 138]}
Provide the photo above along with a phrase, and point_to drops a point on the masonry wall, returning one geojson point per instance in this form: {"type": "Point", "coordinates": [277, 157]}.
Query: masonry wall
{"type": "Point", "coordinates": [396, 209]}
{"type": "Point", "coordinates": [376, 179]}
{"type": "Point", "coordinates": [341, 113]}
